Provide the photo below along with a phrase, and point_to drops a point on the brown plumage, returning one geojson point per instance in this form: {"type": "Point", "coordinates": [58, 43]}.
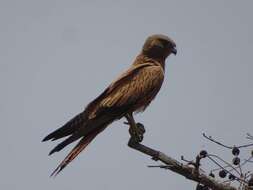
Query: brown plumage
{"type": "Point", "coordinates": [131, 92]}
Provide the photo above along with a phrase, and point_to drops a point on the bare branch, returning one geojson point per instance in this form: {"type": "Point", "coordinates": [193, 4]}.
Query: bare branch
{"type": "Point", "coordinates": [187, 171]}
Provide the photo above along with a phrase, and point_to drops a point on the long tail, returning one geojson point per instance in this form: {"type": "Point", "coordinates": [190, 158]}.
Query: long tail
{"type": "Point", "coordinates": [83, 143]}
{"type": "Point", "coordinates": [67, 129]}
{"type": "Point", "coordinates": [76, 128]}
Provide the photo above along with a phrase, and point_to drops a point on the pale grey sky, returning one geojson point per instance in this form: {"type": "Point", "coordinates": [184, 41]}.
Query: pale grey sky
{"type": "Point", "coordinates": [50, 52]}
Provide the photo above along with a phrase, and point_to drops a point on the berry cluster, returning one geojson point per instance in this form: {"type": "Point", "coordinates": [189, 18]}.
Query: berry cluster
{"type": "Point", "coordinates": [229, 171]}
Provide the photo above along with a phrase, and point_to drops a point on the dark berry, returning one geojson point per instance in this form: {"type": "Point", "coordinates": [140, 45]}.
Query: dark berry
{"type": "Point", "coordinates": [231, 177]}
{"type": "Point", "coordinates": [203, 153]}
{"type": "Point", "coordinates": [250, 182]}
{"type": "Point", "coordinates": [212, 175]}
{"type": "Point", "coordinates": [222, 173]}
{"type": "Point", "coordinates": [235, 151]}
{"type": "Point", "coordinates": [236, 160]}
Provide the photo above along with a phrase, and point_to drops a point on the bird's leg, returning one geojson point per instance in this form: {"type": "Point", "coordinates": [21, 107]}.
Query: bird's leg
{"type": "Point", "coordinates": [136, 130]}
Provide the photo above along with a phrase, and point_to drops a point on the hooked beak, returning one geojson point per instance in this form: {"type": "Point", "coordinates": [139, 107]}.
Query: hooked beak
{"type": "Point", "coordinates": [174, 51]}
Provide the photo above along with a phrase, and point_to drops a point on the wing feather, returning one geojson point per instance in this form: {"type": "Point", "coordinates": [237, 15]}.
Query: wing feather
{"type": "Point", "coordinates": [134, 89]}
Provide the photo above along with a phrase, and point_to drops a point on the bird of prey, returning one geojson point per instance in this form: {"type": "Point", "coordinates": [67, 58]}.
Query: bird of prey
{"type": "Point", "coordinates": [131, 92]}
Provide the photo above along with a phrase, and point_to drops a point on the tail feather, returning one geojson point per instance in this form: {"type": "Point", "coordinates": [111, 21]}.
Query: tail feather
{"type": "Point", "coordinates": [67, 129]}
{"type": "Point", "coordinates": [78, 127]}
{"type": "Point", "coordinates": [84, 131]}
{"type": "Point", "coordinates": [66, 142]}
{"type": "Point", "coordinates": [83, 143]}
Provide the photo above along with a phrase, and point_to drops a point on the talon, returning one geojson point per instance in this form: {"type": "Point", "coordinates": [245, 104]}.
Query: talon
{"type": "Point", "coordinates": [140, 138]}
{"type": "Point", "coordinates": [141, 127]}
{"type": "Point", "coordinates": [137, 133]}
{"type": "Point", "coordinates": [136, 130]}
{"type": "Point", "coordinates": [137, 138]}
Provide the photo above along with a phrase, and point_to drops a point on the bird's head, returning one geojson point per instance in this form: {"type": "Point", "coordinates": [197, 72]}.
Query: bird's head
{"type": "Point", "coordinates": [159, 46]}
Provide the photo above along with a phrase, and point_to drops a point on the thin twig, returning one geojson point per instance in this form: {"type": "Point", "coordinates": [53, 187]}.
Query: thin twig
{"type": "Point", "coordinates": [237, 178]}
{"type": "Point", "coordinates": [217, 142]}
{"type": "Point", "coordinates": [226, 146]}
{"type": "Point", "coordinates": [228, 164]}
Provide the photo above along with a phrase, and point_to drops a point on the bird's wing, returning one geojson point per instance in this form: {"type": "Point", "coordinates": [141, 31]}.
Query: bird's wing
{"type": "Point", "coordinates": [134, 88]}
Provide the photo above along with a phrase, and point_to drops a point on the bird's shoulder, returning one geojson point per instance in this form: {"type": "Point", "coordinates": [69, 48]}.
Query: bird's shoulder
{"type": "Point", "coordinates": [148, 70]}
